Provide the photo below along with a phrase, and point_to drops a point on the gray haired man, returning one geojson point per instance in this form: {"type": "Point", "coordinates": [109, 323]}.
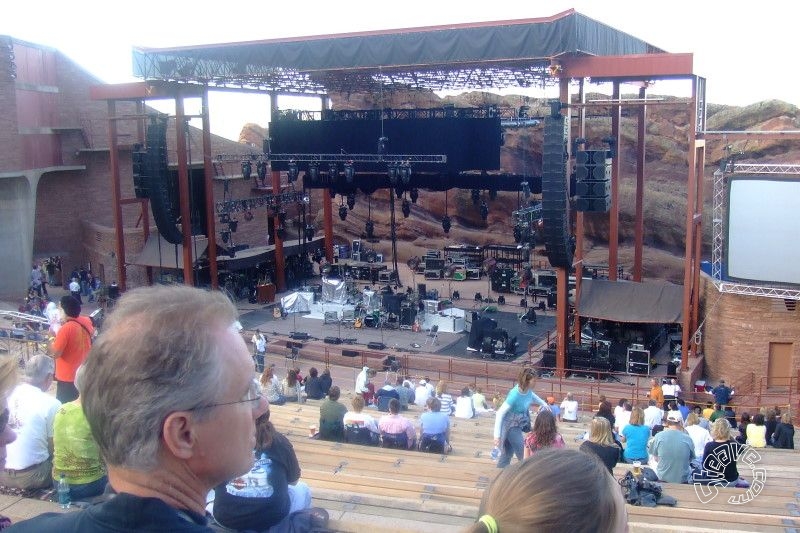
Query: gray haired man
{"type": "Point", "coordinates": [29, 460]}
{"type": "Point", "coordinates": [171, 401]}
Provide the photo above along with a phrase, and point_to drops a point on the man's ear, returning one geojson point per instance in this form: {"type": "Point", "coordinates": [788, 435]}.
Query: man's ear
{"type": "Point", "coordinates": [179, 434]}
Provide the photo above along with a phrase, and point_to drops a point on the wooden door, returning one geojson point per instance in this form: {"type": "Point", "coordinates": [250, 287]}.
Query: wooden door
{"type": "Point", "coordinates": [779, 367]}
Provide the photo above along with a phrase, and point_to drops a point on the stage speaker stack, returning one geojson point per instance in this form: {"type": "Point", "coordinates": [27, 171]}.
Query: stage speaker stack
{"type": "Point", "coordinates": [299, 335]}
{"type": "Point", "coordinates": [593, 181]}
{"type": "Point", "coordinates": [558, 241]}
{"type": "Point", "coordinates": [376, 346]}
{"type": "Point", "coordinates": [333, 340]}
{"type": "Point", "coordinates": [163, 197]}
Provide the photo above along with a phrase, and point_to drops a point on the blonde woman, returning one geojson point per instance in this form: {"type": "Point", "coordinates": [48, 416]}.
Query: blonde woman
{"type": "Point", "coordinates": [601, 443]}
{"type": "Point", "coordinates": [719, 455]}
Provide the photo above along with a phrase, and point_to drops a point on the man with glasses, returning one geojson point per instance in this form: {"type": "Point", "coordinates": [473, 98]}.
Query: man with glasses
{"type": "Point", "coordinates": [171, 401]}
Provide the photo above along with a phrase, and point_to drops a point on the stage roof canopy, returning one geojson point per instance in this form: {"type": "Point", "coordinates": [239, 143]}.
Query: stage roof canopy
{"type": "Point", "coordinates": [619, 301]}
{"type": "Point", "coordinates": [474, 56]}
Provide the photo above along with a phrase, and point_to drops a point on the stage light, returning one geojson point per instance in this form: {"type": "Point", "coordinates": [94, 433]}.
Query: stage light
{"type": "Point", "coordinates": [476, 196]}
{"type": "Point", "coordinates": [306, 199]}
{"type": "Point", "coordinates": [526, 189]}
{"type": "Point", "coordinates": [343, 212]}
{"type": "Point", "coordinates": [292, 173]}
{"type": "Point", "coordinates": [349, 172]}
{"type": "Point", "coordinates": [405, 208]}
{"type": "Point", "coordinates": [261, 171]}
{"type": "Point", "coordinates": [398, 192]}
{"type": "Point", "coordinates": [309, 231]}
{"type": "Point", "coordinates": [247, 169]}
{"type": "Point", "coordinates": [351, 200]}
{"type": "Point", "coordinates": [369, 229]}
{"type": "Point", "coordinates": [393, 174]}
{"type": "Point", "coordinates": [333, 172]}
{"type": "Point", "coordinates": [414, 194]}
{"type": "Point", "coordinates": [313, 172]}
{"type": "Point", "coordinates": [484, 211]}
{"type": "Point", "coordinates": [382, 143]}
{"type": "Point", "coordinates": [405, 173]}
{"type": "Point", "coordinates": [446, 224]}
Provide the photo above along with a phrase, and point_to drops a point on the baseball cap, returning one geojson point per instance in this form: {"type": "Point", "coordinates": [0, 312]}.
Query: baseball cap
{"type": "Point", "coordinates": [675, 416]}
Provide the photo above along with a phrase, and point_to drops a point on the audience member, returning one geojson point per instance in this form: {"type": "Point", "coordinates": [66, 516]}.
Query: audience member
{"type": "Point", "coordinates": [618, 408]}
{"type": "Point", "coordinates": [708, 411]}
{"type": "Point", "coordinates": [673, 450]}
{"type": "Point", "coordinates": [653, 414]}
{"type": "Point", "coordinates": [757, 432]}
{"type": "Point", "coordinates": [384, 394]}
{"type": "Point", "coordinates": [719, 412]}
{"type": "Point", "coordinates": [555, 490]}
{"type": "Point", "coordinates": [604, 410]}
{"type": "Point", "coordinates": [394, 427]}
{"type": "Point", "coordinates": [269, 492]}
{"type": "Point", "coordinates": [554, 408]}
{"type": "Point", "coordinates": [292, 389]}
{"type": "Point", "coordinates": [601, 443]}
{"type": "Point", "coordinates": [722, 463]}
{"type": "Point", "coordinates": [8, 381]}
{"type": "Point", "coordinates": [702, 420]}
{"type": "Point", "coordinates": [421, 394]}
{"type": "Point", "coordinates": [434, 428]}
{"type": "Point", "coordinates": [635, 436]}
{"type": "Point", "coordinates": [683, 408]}
{"type": "Point", "coordinates": [75, 452]}
{"type": "Point", "coordinates": [70, 348]}
{"type": "Point", "coordinates": [405, 393]}
{"type": "Point", "coordinates": [783, 437]}
{"type": "Point", "coordinates": [513, 417]}
{"type": "Point", "coordinates": [363, 385]}
{"type": "Point", "coordinates": [326, 381]}
{"type": "Point", "coordinates": [271, 386]}
{"type": "Point", "coordinates": [569, 409]}
{"type": "Point", "coordinates": [29, 463]}
{"type": "Point", "coordinates": [730, 414]}
{"type": "Point", "coordinates": [314, 385]}
{"type": "Point", "coordinates": [744, 421]}
{"type": "Point", "coordinates": [771, 417]}
{"type": "Point", "coordinates": [464, 406]}
{"type": "Point", "coordinates": [656, 392]}
{"type": "Point", "coordinates": [331, 416]}
{"type": "Point", "coordinates": [359, 427]}
{"type": "Point", "coordinates": [479, 402]}
{"type": "Point", "coordinates": [169, 394]}
{"type": "Point", "coordinates": [445, 398]}
{"type": "Point", "coordinates": [699, 435]}
{"type": "Point", "coordinates": [544, 434]}
{"type": "Point", "coordinates": [624, 417]}
{"type": "Point", "coordinates": [671, 390]}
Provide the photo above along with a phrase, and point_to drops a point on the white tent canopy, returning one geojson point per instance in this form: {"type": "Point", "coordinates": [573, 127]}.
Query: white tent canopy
{"type": "Point", "coordinates": [296, 302]}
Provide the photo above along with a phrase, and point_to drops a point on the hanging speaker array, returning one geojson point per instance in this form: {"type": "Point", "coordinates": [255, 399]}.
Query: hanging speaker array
{"type": "Point", "coordinates": [558, 240]}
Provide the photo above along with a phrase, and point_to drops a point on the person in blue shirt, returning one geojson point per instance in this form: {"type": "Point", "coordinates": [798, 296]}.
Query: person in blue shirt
{"type": "Point", "coordinates": [513, 418]}
{"type": "Point", "coordinates": [722, 393]}
{"type": "Point", "coordinates": [635, 436]}
{"type": "Point", "coordinates": [434, 428]}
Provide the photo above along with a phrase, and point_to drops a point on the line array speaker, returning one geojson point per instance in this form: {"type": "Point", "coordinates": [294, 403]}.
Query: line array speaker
{"type": "Point", "coordinates": [160, 188]}
{"type": "Point", "coordinates": [593, 186]}
{"type": "Point", "coordinates": [558, 241]}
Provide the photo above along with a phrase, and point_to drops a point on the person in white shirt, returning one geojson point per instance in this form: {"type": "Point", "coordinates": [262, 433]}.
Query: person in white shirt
{"type": "Point", "coordinates": [653, 414]}
{"type": "Point", "coordinates": [569, 409]}
{"type": "Point", "coordinates": [624, 417]}
{"type": "Point", "coordinates": [464, 406]}
{"type": "Point", "coordinates": [259, 349]}
{"type": "Point", "coordinates": [619, 408]}
{"type": "Point", "coordinates": [699, 435]}
{"type": "Point", "coordinates": [421, 394]}
{"type": "Point", "coordinates": [29, 461]}
{"type": "Point", "coordinates": [670, 393]}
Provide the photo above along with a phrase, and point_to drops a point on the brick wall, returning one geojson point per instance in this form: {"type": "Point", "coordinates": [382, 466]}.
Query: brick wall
{"type": "Point", "coordinates": [738, 330]}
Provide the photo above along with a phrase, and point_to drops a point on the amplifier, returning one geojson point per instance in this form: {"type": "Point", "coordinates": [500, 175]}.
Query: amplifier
{"type": "Point", "coordinates": [350, 353]}
{"type": "Point", "coordinates": [332, 340]}
{"type": "Point", "coordinates": [299, 335]}
{"type": "Point", "coordinates": [376, 346]}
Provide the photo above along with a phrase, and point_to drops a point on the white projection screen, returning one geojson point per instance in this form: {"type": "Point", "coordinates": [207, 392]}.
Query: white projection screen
{"type": "Point", "coordinates": [763, 229]}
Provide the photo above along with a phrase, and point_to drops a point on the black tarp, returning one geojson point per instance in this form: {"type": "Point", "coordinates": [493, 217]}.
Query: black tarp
{"type": "Point", "coordinates": [308, 64]}
{"type": "Point", "coordinates": [624, 301]}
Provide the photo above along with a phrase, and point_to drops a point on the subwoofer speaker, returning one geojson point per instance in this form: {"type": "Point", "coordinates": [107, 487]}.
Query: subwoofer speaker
{"type": "Point", "coordinates": [558, 241]}
{"type": "Point", "coordinates": [376, 346]}
{"type": "Point", "coordinates": [333, 340]}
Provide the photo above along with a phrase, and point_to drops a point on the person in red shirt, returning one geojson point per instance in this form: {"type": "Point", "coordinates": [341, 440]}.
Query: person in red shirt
{"type": "Point", "coordinates": [70, 347]}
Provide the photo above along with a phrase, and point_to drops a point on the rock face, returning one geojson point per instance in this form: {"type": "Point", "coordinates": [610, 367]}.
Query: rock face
{"type": "Point", "coordinates": [665, 171]}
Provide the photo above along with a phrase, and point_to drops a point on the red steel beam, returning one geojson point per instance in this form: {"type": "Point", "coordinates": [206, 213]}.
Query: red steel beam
{"type": "Point", "coordinates": [208, 176]}
{"type": "Point", "coordinates": [642, 66]}
{"type": "Point", "coordinates": [691, 211]}
{"type": "Point", "coordinates": [613, 215]}
{"type": "Point", "coordinates": [116, 195]}
{"type": "Point", "coordinates": [641, 131]}
{"type": "Point", "coordinates": [143, 90]}
{"type": "Point", "coordinates": [562, 274]}
{"type": "Point", "coordinates": [183, 192]}
{"type": "Point", "coordinates": [579, 219]}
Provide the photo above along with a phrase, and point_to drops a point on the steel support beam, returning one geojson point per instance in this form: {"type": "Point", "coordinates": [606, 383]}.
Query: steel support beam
{"type": "Point", "coordinates": [183, 190]}
{"type": "Point", "coordinates": [613, 214]}
{"type": "Point", "coordinates": [116, 195]}
{"type": "Point", "coordinates": [641, 133]}
{"type": "Point", "coordinates": [208, 179]}
{"type": "Point", "coordinates": [630, 67]}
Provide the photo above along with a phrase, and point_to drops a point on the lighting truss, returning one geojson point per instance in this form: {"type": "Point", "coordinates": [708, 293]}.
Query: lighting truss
{"type": "Point", "coordinates": [359, 158]}
{"type": "Point", "coordinates": [267, 200]}
{"type": "Point", "coordinates": [718, 230]}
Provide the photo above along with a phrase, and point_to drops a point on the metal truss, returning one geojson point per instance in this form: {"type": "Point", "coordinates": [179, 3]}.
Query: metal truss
{"type": "Point", "coordinates": [359, 158]}
{"type": "Point", "coordinates": [718, 230]}
{"type": "Point", "coordinates": [267, 200]}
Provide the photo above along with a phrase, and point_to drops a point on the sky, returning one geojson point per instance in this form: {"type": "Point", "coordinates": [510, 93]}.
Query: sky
{"type": "Point", "coordinates": [744, 50]}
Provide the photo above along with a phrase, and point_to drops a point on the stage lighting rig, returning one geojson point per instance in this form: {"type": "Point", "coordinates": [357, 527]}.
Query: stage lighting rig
{"type": "Point", "coordinates": [313, 172]}
{"type": "Point", "coordinates": [349, 172]}
{"type": "Point", "coordinates": [414, 194]}
{"type": "Point", "coordinates": [247, 169]}
{"type": "Point", "coordinates": [369, 229]}
{"type": "Point", "coordinates": [393, 174]}
{"type": "Point", "coordinates": [484, 211]}
{"type": "Point", "coordinates": [405, 207]}
{"type": "Point", "coordinates": [446, 224]}
{"type": "Point", "coordinates": [309, 232]}
{"type": "Point", "coordinates": [342, 212]}
{"type": "Point", "coordinates": [333, 172]}
{"type": "Point", "coordinates": [404, 170]}
{"type": "Point", "coordinates": [292, 172]}
{"type": "Point", "coordinates": [261, 172]}
{"type": "Point", "coordinates": [351, 200]}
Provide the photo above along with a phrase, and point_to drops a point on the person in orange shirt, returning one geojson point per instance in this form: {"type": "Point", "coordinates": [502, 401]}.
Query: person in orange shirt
{"type": "Point", "coordinates": [655, 392]}
{"type": "Point", "coordinates": [70, 347]}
